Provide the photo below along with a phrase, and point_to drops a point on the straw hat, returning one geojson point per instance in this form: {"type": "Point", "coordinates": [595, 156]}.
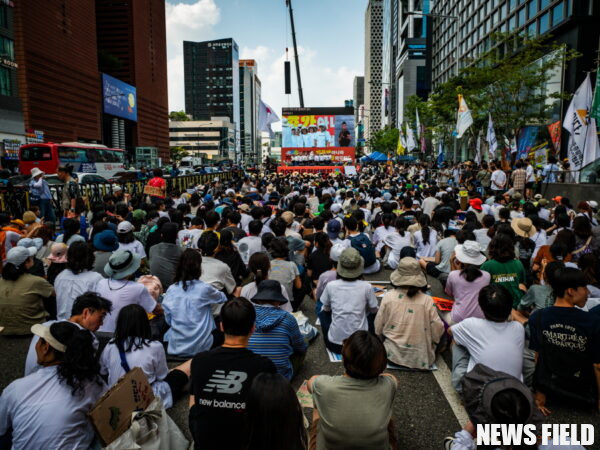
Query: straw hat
{"type": "Point", "coordinates": [523, 227]}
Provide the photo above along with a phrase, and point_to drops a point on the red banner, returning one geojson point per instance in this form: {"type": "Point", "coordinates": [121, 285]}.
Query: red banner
{"type": "Point", "coordinates": [337, 155]}
{"type": "Point", "coordinates": [555, 129]}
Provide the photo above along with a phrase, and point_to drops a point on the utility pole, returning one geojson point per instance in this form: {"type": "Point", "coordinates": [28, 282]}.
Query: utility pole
{"type": "Point", "coordinates": [289, 5]}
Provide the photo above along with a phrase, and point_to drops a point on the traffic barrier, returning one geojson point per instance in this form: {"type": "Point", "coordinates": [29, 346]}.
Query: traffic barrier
{"type": "Point", "coordinates": [15, 200]}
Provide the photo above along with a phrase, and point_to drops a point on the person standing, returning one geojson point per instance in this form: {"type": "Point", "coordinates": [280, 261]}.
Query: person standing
{"type": "Point", "coordinates": [39, 193]}
{"type": "Point", "coordinates": [498, 180]}
{"type": "Point", "coordinates": [70, 190]}
{"type": "Point", "coordinates": [519, 178]}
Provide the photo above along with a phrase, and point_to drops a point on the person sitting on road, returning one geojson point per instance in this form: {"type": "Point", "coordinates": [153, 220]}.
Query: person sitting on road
{"type": "Point", "coordinates": [164, 256]}
{"type": "Point", "coordinates": [187, 305]}
{"type": "Point", "coordinates": [337, 421]}
{"type": "Point", "coordinates": [49, 408]}
{"type": "Point", "coordinates": [494, 341]}
{"type": "Point", "coordinates": [260, 265]}
{"type": "Point", "coordinates": [276, 333]}
{"type": "Point", "coordinates": [408, 320]}
{"type": "Point", "coordinates": [568, 374]}
{"type": "Point", "coordinates": [89, 310]}
{"type": "Point", "coordinates": [349, 303]}
{"type": "Point", "coordinates": [132, 346]}
{"type": "Point", "coordinates": [217, 410]}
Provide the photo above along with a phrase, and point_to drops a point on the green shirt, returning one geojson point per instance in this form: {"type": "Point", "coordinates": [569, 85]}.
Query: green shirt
{"type": "Point", "coordinates": [508, 274]}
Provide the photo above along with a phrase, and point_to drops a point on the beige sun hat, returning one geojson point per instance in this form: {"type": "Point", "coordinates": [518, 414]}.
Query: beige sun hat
{"type": "Point", "coordinates": [408, 273]}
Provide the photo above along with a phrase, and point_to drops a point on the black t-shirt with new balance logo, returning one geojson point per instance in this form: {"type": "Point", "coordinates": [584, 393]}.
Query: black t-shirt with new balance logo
{"type": "Point", "coordinates": [220, 381]}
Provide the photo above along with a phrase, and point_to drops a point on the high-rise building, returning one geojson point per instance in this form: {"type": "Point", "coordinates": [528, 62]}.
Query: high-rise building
{"type": "Point", "coordinates": [462, 28]}
{"type": "Point", "coordinates": [12, 127]}
{"type": "Point", "coordinates": [212, 82]}
{"type": "Point", "coordinates": [373, 63]}
{"type": "Point", "coordinates": [132, 48]}
{"type": "Point", "coordinates": [67, 51]}
{"type": "Point", "coordinates": [58, 79]}
{"type": "Point", "coordinates": [206, 139]}
{"type": "Point", "coordinates": [250, 88]}
{"type": "Point", "coordinates": [358, 95]}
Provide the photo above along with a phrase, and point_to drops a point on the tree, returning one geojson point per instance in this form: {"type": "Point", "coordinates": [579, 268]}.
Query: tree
{"type": "Point", "coordinates": [384, 140]}
{"type": "Point", "coordinates": [177, 153]}
{"type": "Point", "coordinates": [178, 116]}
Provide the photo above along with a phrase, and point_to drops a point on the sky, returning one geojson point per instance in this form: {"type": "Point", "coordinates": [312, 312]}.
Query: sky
{"type": "Point", "coordinates": [329, 33]}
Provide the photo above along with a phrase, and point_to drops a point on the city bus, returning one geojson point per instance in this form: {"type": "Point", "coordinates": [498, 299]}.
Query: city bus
{"type": "Point", "coordinates": [85, 158]}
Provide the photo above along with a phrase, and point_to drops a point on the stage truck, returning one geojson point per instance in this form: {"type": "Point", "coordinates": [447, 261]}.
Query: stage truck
{"type": "Point", "coordinates": [317, 140]}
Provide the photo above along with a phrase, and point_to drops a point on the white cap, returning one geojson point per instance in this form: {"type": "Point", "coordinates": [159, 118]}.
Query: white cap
{"type": "Point", "coordinates": [229, 191]}
{"type": "Point", "coordinates": [18, 255]}
{"type": "Point", "coordinates": [124, 227]}
{"type": "Point", "coordinates": [593, 204]}
{"type": "Point", "coordinates": [336, 208]}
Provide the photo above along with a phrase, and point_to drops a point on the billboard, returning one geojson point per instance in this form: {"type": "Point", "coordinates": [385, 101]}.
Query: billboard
{"type": "Point", "coordinates": [118, 98]}
{"type": "Point", "coordinates": [317, 156]}
{"type": "Point", "coordinates": [318, 127]}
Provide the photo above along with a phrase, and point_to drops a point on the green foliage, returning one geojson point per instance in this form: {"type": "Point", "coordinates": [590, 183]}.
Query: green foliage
{"type": "Point", "coordinates": [384, 140]}
{"type": "Point", "coordinates": [508, 81]}
{"type": "Point", "coordinates": [178, 116]}
{"type": "Point", "coordinates": [177, 153]}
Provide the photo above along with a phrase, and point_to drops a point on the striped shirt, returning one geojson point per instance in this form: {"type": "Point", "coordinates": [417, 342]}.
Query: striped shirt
{"type": "Point", "coordinates": [277, 337]}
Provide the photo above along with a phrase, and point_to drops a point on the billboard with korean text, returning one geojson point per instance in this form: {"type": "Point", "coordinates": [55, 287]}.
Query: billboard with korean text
{"type": "Point", "coordinates": [318, 127]}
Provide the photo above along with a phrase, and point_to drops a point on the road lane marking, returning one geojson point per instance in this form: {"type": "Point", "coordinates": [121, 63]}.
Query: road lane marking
{"type": "Point", "coordinates": [443, 376]}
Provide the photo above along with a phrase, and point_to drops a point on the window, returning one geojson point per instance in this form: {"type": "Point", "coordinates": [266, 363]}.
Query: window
{"type": "Point", "coordinates": [532, 29]}
{"type": "Point", "coordinates": [521, 17]}
{"type": "Point", "coordinates": [36, 154]}
{"type": "Point", "coordinates": [513, 4]}
{"type": "Point", "coordinates": [544, 4]}
{"type": "Point", "coordinates": [512, 23]}
{"type": "Point", "coordinates": [3, 16]}
{"type": "Point", "coordinates": [558, 14]}
{"type": "Point", "coordinates": [7, 48]}
{"type": "Point", "coordinates": [6, 87]}
{"type": "Point", "coordinates": [73, 154]}
{"type": "Point", "coordinates": [544, 23]}
{"type": "Point", "coordinates": [533, 8]}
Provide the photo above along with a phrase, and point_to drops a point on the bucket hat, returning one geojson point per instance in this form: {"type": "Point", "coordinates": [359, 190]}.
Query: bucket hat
{"type": "Point", "coordinates": [269, 291]}
{"type": "Point", "coordinates": [106, 241]}
{"type": "Point", "coordinates": [408, 273]}
{"type": "Point", "coordinates": [469, 253]}
{"type": "Point", "coordinates": [122, 264]}
{"type": "Point", "coordinates": [350, 264]}
{"type": "Point", "coordinates": [36, 172]}
{"type": "Point", "coordinates": [523, 227]}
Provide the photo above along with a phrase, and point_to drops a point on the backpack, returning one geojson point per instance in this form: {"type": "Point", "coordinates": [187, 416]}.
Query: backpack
{"type": "Point", "coordinates": [365, 247]}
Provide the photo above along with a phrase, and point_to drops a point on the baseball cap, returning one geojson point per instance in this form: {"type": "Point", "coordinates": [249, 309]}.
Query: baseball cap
{"type": "Point", "coordinates": [18, 255]}
{"type": "Point", "coordinates": [336, 208]}
{"type": "Point", "coordinates": [333, 229]}
{"type": "Point", "coordinates": [124, 227]}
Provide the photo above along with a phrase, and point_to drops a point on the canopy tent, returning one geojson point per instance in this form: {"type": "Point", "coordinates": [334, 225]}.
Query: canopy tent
{"type": "Point", "coordinates": [378, 156]}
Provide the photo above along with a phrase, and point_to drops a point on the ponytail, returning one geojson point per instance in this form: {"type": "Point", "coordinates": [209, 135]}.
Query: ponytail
{"type": "Point", "coordinates": [79, 363]}
{"type": "Point", "coordinates": [425, 230]}
{"type": "Point", "coordinates": [259, 265]}
{"type": "Point", "coordinates": [323, 241]}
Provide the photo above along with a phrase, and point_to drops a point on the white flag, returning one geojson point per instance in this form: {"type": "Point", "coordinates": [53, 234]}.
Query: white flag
{"type": "Point", "coordinates": [491, 138]}
{"type": "Point", "coordinates": [411, 144]}
{"type": "Point", "coordinates": [418, 124]}
{"type": "Point", "coordinates": [266, 116]}
{"type": "Point", "coordinates": [478, 149]}
{"type": "Point", "coordinates": [583, 142]}
{"type": "Point", "coordinates": [464, 119]}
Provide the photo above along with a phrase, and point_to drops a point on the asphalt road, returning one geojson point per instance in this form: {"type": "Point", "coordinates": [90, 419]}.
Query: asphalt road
{"type": "Point", "coordinates": [425, 407]}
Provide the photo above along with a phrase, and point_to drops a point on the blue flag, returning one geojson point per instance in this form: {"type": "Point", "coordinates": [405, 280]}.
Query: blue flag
{"type": "Point", "coordinates": [440, 158]}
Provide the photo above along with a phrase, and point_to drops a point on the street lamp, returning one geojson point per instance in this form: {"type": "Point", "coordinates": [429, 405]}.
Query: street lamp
{"type": "Point", "coordinates": [441, 16]}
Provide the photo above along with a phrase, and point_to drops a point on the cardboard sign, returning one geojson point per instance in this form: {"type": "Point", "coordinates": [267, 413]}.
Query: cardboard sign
{"type": "Point", "coordinates": [111, 415]}
{"type": "Point", "coordinates": [350, 170]}
{"type": "Point", "coordinates": [154, 191]}
{"type": "Point", "coordinates": [443, 304]}
{"type": "Point", "coordinates": [304, 397]}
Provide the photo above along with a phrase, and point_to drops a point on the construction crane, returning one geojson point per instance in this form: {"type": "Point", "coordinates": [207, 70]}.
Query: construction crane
{"type": "Point", "coordinates": [300, 95]}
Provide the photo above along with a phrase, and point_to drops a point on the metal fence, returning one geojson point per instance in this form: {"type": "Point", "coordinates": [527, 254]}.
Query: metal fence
{"type": "Point", "coordinates": [15, 200]}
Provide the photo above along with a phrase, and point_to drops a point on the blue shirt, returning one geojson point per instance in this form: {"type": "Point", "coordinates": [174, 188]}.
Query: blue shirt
{"type": "Point", "coordinates": [189, 314]}
{"type": "Point", "coordinates": [549, 173]}
{"type": "Point", "coordinates": [40, 189]}
{"type": "Point", "coordinates": [277, 337]}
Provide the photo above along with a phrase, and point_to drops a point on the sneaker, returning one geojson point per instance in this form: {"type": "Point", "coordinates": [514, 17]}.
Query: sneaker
{"type": "Point", "coordinates": [448, 442]}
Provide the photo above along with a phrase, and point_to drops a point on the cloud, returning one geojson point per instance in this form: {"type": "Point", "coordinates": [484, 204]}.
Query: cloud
{"type": "Point", "coordinates": [186, 21]}
{"type": "Point", "coordinates": [321, 85]}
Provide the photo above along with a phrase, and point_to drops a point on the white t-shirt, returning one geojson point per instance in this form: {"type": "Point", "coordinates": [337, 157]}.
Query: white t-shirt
{"type": "Point", "coordinates": [498, 345]}
{"type": "Point", "coordinates": [69, 286]}
{"type": "Point", "coordinates": [482, 238]}
{"type": "Point", "coordinates": [498, 180]}
{"type": "Point", "coordinates": [379, 235]}
{"type": "Point", "coordinates": [425, 250]}
{"type": "Point", "coordinates": [151, 359]}
{"type": "Point", "coordinates": [396, 243]}
{"type": "Point", "coordinates": [429, 205]}
{"type": "Point", "coordinates": [189, 238]}
{"type": "Point", "coordinates": [248, 246]}
{"type": "Point", "coordinates": [349, 303]}
{"type": "Point", "coordinates": [134, 247]}
{"type": "Point", "coordinates": [122, 293]}
{"type": "Point", "coordinates": [43, 412]}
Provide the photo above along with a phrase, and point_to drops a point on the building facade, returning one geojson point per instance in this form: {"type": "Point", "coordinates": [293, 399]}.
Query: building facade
{"type": "Point", "coordinates": [464, 34]}
{"type": "Point", "coordinates": [250, 88]}
{"type": "Point", "coordinates": [12, 127]}
{"type": "Point", "coordinates": [207, 139]}
{"type": "Point", "coordinates": [132, 48]}
{"type": "Point", "coordinates": [212, 82]}
{"type": "Point", "coordinates": [373, 66]}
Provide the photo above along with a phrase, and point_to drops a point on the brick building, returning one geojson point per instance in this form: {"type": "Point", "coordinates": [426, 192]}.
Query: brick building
{"type": "Point", "coordinates": [62, 51]}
